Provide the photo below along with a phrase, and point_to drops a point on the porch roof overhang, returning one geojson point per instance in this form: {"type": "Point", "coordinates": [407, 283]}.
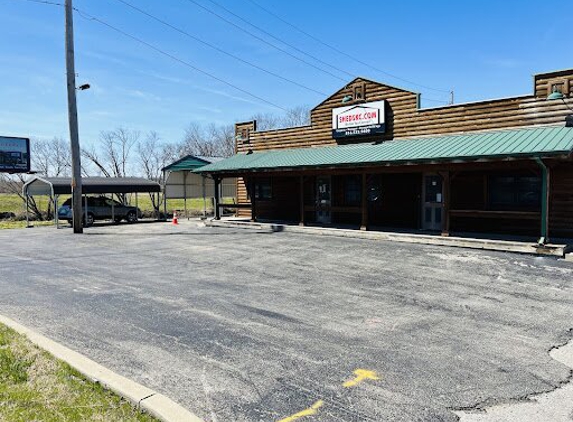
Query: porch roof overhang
{"type": "Point", "coordinates": [522, 143]}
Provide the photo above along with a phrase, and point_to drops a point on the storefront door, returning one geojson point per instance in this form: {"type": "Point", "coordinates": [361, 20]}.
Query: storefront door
{"type": "Point", "coordinates": [432, 212]}
{"type": "Point", "coordinates": [323, 200]}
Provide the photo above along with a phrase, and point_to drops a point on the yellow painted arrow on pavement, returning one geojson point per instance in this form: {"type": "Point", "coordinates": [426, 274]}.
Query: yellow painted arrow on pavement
{"type": "Point", "coordinates": [361, 375]}
{"type": "Point", "coordinates": [312, 410]}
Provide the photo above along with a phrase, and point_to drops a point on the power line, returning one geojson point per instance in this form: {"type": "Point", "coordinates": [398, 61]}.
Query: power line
{"type": "Point", "coordinates": [45, 2]}
{"type": "Point", "coordinates": [276, 47]}
{"type": "Point", "coordinates": [95, 19]}
{"type": "Point", "coordinates": [89, 17]}
{"type": "Point", "coordinates": [181, 31]}
{"type": "Point", "coordinates": [342, 52]}
{"type": "Point", "coordinates": [294, 47]}
{"type": "Point", "coordinates": [177, 59]}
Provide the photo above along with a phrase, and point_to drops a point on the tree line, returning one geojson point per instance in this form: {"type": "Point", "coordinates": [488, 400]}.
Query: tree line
{"type": "Point", "coordinates": [123, 152]}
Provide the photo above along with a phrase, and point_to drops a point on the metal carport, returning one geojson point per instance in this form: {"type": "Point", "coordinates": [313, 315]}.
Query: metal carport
{"type": "Point", "coordinates": [55, 186]}
{"type": "Point", "coordinates": [180, 182]}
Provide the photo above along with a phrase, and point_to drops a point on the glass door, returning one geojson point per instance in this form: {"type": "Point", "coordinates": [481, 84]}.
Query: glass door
{"type": "Point", "coordinates": [432, 212]}
{"type": "Point", "coordinates": [323, 200]}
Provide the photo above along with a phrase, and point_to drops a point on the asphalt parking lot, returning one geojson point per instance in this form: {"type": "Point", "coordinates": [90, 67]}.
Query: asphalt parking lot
{"type": "Point", "coordinates": [240, 325]}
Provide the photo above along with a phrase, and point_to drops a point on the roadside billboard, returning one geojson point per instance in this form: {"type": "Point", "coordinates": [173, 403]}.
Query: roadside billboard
{"type": "Point", "coordinates": [14, 155]}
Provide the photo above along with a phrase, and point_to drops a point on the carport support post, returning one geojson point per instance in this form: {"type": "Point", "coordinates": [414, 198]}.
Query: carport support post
{"type": "Point", "coordinates": [185, 193]}
{"type": "Point", "coordinates": [364, 223]}
{"type": "Point", "coordinates": [545, 180]}
{"type": "Point", "coordinates": [136, 207]}
{"type": "Point", "coordinates": [217, 182]}
{"type": "Point", "coordinates": [56, 221]}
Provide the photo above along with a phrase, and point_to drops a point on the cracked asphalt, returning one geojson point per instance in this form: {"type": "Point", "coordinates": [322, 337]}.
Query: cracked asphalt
{"type": "Point", "coordinates": [243, 325]}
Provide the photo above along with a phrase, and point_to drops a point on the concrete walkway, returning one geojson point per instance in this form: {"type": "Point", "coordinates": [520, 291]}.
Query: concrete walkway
{"type": "Point", "coordinates": [425, 239]}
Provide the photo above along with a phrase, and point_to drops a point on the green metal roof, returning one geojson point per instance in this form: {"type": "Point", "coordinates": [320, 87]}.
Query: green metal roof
{"type": "Point", "coordinates": [516, 143]}
{"type": "Point", "coordinates": [189, 163]}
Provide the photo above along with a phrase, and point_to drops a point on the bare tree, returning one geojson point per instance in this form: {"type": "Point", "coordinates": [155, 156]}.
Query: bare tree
{"type": "Point", "coordinates": [114, 155]}
{"type": "Point", "coordinates": [209, 141]}
{"type": "Point", "coordinates": [296, 116]}
{"type": "Point", "coordinates": [153, 155]}
{"type": "Point", "coordinates": [51, 158]}
{"type": "Point", "coordinates": [267, 121]}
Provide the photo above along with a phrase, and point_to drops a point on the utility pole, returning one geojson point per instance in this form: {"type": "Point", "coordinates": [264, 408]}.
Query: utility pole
{"type": "Point", "coordinates": [73, 122]}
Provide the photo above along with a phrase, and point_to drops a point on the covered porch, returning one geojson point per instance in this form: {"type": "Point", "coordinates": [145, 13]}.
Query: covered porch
{"type": "Point", "coordinates": [515, 182]}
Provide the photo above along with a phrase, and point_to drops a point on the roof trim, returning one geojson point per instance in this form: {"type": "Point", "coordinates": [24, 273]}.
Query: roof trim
{"type": "Point", "coordinates": [526, 142]}
{"type": "Point", "coordinates": [354, 80]}
{"type": "Point", "coordinates": [96, 185]}
{"type": "Point", "coordinates": [183, 159]}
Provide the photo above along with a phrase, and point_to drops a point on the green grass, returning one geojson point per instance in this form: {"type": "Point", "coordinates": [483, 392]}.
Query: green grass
{"type": "Point", "coordinates": [20, 224]}
{"type": "Point", "coordinates": [36, 387]}
{"type": "Point", "coordinates": [13, 203]}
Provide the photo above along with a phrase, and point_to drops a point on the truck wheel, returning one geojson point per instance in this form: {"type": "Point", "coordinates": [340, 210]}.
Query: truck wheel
{"type": "Point", "coordinates": [89, 221]}
{"type": "Point", "coordinates": [131, 217]}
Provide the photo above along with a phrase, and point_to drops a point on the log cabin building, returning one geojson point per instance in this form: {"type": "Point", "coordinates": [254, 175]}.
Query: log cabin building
{"type": "Point", "coordinates": [371, 159]}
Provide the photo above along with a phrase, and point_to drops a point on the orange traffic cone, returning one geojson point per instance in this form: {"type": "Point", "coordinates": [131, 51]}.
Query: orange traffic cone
{"type": "Point", "coordinates": [174, 221]}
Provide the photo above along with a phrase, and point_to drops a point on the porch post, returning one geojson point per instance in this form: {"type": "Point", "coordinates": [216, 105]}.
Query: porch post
{"type": "Point", "coordinates": [446, 204]}
{"type": "Point", "coordinates": [253, 199]}
{"type": "Point", "coordinates": [217, 182]}
{"type": "Point", "coordinates": [545, 185]}
{"type": "Point", "coordinates": [364, 223]}
{"type": "Point", "coordinates": [301, 223]}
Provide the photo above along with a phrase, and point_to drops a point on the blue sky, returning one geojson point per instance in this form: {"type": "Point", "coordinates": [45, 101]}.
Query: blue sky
{"type": "Point", "coordinates": [481, 49]}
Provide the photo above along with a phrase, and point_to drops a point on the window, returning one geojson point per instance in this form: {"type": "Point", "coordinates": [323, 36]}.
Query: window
{"type": "Point", "coordinates": [263, 189]}
{"type": "Point", "coordinates": [563, 86]}
{"type": "Point", "coordinates": [514, 192]}
{"type": "Point", "coordinates": [353, 191]}
{"type": "Point", "coordinates": [245, 136]}
{"type": "Point", "coordinates": [359, 92]}
{"type": "Point", "coordinates": [557, 88]}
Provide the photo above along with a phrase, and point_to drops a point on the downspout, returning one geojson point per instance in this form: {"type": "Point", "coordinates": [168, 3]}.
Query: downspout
{"type": "Point", "coordinates": [544, 202]}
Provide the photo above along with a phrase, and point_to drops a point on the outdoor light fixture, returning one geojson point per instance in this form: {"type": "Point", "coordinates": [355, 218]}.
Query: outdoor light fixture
{"type": "Point", "coordinates": [83, 87]}
{"type": "Point", "coordinates": [347, 99]}
{"type": "Point", "coordinates": [555, 95]}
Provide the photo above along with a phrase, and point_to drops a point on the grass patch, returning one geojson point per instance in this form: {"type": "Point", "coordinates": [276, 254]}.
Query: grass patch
{"type": "Point", "coordinates": [12, 203]}
{"type": "Point", "coordinates": [12, 224]}
{"type": "Point", "coordinates": [36, 387]}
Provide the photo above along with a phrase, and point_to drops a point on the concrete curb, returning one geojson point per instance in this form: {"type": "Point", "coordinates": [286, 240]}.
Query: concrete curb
{"type": "Point", "coordinates": [459, 242]}
{"type": "Point", "coordinates": [140, 396]}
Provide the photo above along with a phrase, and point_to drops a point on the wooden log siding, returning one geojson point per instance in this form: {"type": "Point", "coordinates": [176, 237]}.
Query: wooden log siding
{"type": "Point", "coordinates": [561, 201]}
{"type": "Point", "coordinates": [405, 120]}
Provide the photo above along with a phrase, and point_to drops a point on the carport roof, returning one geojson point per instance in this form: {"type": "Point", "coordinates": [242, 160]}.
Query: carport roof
{"type": "Point", "coordinates": [529, 142]}
{"type": "Point", "coordinates": [190, 163]}
{"type": "Point", "coordinates": [62, 185]}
